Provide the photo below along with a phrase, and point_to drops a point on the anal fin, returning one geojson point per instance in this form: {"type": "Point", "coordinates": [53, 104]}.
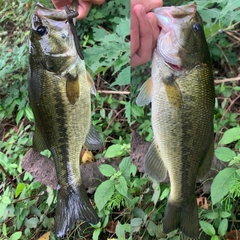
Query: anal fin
{"type": "Point", "coordinates": [153, 163]}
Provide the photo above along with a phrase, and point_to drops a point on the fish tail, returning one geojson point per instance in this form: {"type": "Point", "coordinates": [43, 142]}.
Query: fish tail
{"type": "Point", "coordinates": [72, 206]}
{"type": "Point", "coordinates": [183, 216]}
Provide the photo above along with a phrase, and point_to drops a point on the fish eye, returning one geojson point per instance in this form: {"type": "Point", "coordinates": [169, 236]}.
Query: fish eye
{"type": "Point", "coordinates": [196, 27]}
{"type": "Point", "coordinates": [41, 30]}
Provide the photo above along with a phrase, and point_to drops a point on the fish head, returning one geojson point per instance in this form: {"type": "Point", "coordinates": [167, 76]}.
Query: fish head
{"type": "Point", "coordinates": [51, 39]}
{"type": "Point", "coordinates": [181, 43]}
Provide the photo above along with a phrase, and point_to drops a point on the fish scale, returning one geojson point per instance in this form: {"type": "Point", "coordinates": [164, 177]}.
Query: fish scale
{"type": "Point", "coordinates": [181, 90]}
{"type": "Point", "coordinates": [59, 92]}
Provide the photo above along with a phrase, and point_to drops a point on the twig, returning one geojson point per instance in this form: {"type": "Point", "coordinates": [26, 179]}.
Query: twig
{"type": "Point", "coordinates": [113, 92]}
{"type": "Point", "coordinates": [227, 80]}
{"type": "Point", "coordinates": [225, 56]}
{"type": "Point", "coordinates": [7, 175]}
{"type": "Point", "coordinates": [231, 104]}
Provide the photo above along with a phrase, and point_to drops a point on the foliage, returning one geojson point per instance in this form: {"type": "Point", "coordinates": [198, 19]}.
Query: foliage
{"type": "Point", "coordinates": [26, 206]}
{"type": "Point", "coordinates": [130, 205]}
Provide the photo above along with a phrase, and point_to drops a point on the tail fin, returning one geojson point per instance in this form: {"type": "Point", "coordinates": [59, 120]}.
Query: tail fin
{"type": "Point", "coordinates": [183, 216]}
{"type": "Point", "coordinates": [72, 206]}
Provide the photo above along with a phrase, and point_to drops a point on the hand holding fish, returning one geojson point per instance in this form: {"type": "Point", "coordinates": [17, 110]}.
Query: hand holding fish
{"type": "Point", "coordinates": [144, 30]}
{"type": "Point", "coordinates": [83, 5]}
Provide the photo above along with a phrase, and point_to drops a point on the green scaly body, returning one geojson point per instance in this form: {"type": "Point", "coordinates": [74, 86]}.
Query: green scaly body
{"type": "Point", "coordinates": [181, 90]}
{"type": "Point", "coordinates": [59, 92]}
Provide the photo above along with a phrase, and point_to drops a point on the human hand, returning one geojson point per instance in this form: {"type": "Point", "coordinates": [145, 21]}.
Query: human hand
{"type": "Point", "coordinates": [83, 5]}
{"type": "Point", "coordinates": [144, 30]}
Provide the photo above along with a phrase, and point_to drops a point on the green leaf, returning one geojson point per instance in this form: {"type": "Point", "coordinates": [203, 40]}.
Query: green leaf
{"type": "Point", "coordinates": [156, 193]}
{"type": "Point", "coordinates": [212, 215]}
{"type": "Point", "coordinates": [123, 77]}
{"type": "Point", "coordinates": [223, 226]}
{"type": "Point", "coordinates": [123, 28]}
{"type": "Point", "coordinates": [3, 206]}
{"type": "Point", "coordinates": [152, 228]}
{"type": "Point", "coordinates": [125, 167]}
{"type": "Point", "coordinates": [222, 184]}
{"type": "Point", "coordinates": [136, 222]}
{"type": "Point", "coordinates": [230, 136]}
{"type": "Point", "coordinates": [31, 222]}
{"type": "Point", "coordinates": [165, 193]}
{"type": "Point", "coordinates": [215, 238]}
{"type": "Point", "coordinates": [224, 154]}
{"type": "Point", "coordinates": [29, 114]}
{"type": "Point", "coordinates": [207, 228]}
{"type": "Point", "coordinates": [16, 236]}
{"type": "Point", "coordinates": [139, 213]}
{"type": "Point", "coordinates": [4, 229]}
{"type": "Point", "coordinates": [96, 233]}
{"type": "Point", "coordinates": [19, 189]}
{"type": "Point", "coordinates": [5, 199]}
{"type": "Point", "coordinates": [19, 115]}
{"type": "Point", "coordinates": [224, 214]}
{"type": "Point", "coordinates": [121, 186]}
{"type": "Point", "coordinates": [128, 112]}
{"type": "Point", "coordinates": [120, 232]}
{"type": "Point", "coordinates": [104, 193]}
{"type": "Point", "coordinates": [113, 151]}
{"type": "Point", "coordinates": [107, 170]}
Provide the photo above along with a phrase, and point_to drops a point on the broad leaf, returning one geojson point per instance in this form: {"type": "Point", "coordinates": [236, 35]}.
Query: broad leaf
{"type": "Point", "coordinates": [207, 228]}
{"type": "Point", "coordinates": [230, 135]}
{"type": "Point", "coordinates": [221, 184]}
{"type": "Point", "coordinates": [224, 154]}
{"type": "Point", "coordinates": [107, 170]}
{"type": "Point", "coordinates": [104, 193]}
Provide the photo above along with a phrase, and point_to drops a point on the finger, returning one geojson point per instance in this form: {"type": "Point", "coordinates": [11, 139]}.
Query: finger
{"type": "Point", "coordinates": [134, 33]}
{"type": "Point", "coordinates": [155, 28]}
{"type": "Point", "coordinates": [144, 51]}
{"type": "Point", "coordinates": [83, 9]}
{"type": "Point", "coordinates": [148, 5]}
{"type": "Point", "coordinates": [59, 4]}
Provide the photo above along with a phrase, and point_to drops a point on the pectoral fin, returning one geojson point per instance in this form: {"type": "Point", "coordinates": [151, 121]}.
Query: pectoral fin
{"type": "Point", "coordinates": [153, 163]}
{"type": "Point", "coordinates": [93, 140]}
{"type": "Point", "coordinates": [144, 97]}
{"type": "Point", "coordinates": [174, 94]}
{"type": "Point", "coordinates": [39, 143]}
{"type": "Point", "coordinates": [206, 164]}
{"type": "Point", "coordinates": [72, 88]}
{"type": "Point", "coordinates": [91, 83]}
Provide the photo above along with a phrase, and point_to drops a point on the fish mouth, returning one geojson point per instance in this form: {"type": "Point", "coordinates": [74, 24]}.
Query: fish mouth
{"type": "Point", "coordinates": [170, 41]}
{"type": "Point", "coordinates": [173, 66]}
{"type": "Point", "coordinates": [167, 49]}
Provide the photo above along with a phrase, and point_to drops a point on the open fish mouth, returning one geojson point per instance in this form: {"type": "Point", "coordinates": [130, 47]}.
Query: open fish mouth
{"type": "Point", "coordinates": [170, 41]}
{"type": "Point", "coordinates": [174, 67]}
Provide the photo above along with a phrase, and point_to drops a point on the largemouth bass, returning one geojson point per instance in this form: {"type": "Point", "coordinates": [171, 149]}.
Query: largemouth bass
{"type": "Point", "coordinates": [181, 90]}
{"type": "Point", "coordinates": [59, 92]}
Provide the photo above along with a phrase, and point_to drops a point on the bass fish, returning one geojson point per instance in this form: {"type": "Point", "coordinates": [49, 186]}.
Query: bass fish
{"type": "Point", "coordinates": [181, 89]}
{"type": "Point", "coordinates": [60, 96]}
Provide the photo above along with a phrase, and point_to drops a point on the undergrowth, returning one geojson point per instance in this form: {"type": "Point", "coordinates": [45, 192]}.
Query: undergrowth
{"type": "Point", "coordinates": [133, 205]}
